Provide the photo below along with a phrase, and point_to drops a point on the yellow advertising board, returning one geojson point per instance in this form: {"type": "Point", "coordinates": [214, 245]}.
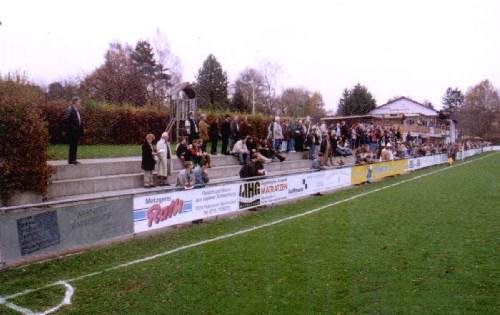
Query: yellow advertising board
{"type": "Point", "coordinates": [377, 171]}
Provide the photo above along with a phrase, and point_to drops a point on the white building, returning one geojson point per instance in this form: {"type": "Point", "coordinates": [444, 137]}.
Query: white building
{"type": "Point", "coordinates": [416, 118]}
{"type": "Point", "coordinates": [403, 106]}
{"type": "Point", "coordinates": [410, 117]}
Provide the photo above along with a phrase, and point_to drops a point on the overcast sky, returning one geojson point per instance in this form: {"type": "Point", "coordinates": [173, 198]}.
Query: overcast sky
{"type": "Point", "coordinates": [411, 48]}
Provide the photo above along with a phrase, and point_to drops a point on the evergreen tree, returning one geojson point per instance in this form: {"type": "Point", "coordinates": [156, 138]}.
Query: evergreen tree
{"type": "Point", "coordinates": [152, 75]}
{"type": "Point", "coordinates": [357, 101]}
{"type": "Point", "coordinates": [453, 100]}
{"type": "Point", "coordinates": [238, 102]}
{"type": "Point", "coordinates": [144, 60]}
{"type": "Point", "coordinates": [342, 102]}
{"type": "Point", "coordinates": [211, 84]}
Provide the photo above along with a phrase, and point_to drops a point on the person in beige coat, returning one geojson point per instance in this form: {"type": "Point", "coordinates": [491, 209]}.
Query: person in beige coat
{"type": "Point", "coordinates": [203, 127]}
{"type": "Point", "coordinates": [386, 154]}
{"type": "Point", "coordinates": [164, 164]}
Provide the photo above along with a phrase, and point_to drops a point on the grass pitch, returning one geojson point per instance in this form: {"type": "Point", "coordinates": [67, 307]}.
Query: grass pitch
{"type": "Point", "coordinates": [429, 246]}
{"type": "Point", "coordinates": [97, 151]}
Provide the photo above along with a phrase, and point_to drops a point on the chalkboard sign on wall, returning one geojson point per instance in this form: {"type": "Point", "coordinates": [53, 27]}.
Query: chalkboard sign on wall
{"type": "Point", "coordinates": [37, 232]}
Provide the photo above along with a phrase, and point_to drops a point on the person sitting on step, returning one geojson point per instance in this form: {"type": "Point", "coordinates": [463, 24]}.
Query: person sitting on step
{"type": "Point", "coordinates": [241, 152]}
{"type": "Point", "coordinates": [201, 174]}
{"type": "Point", "coordinates": [254, 147]}
{"type": "Point", "coordinates": [267, 151]}
{"type": "Point", "coordinates": [182, 151]}
{"type": "Point", "coordinates": [253, 169]}
{"type": "Point", "coordinates": [185, 178]}
{"type": "Point", "coordinates": [197, 153]}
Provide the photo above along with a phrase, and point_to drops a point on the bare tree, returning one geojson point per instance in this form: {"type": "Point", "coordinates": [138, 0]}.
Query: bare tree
{"type": "Point", "coordinates": [117, 80]}
{"type": "Point", "coordinates": [270, 72]}
{"type": "Point", "coordinates": [250, 84]}
{"type": "Point", "coordinates": [166, 58]}
{"type": "Point", "coordinates": [300, 102]}
{"type": "Point", "coordinates": [479, 114]}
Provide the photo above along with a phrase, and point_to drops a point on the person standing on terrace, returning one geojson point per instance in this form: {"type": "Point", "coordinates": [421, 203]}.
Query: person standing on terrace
{"type": "Point", "coordinates": [276, 133]}
{"type": "Point", "coordinates": [191, 127]}
{"type": "Point", "coordinates": [164, 165]}
{"type": "Point", "coordinates": [72, 121]}
{"type": "Point", "coordinates": [214, 135]}
{"type": "Point", "coordinates": [148, 160]}
{"type": "Point", "coordinates": [226, 134]}
{"type": "Point", "coordinates": [203, 129]}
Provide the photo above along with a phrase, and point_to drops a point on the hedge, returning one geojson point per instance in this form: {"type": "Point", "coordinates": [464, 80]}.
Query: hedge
{"type": "Point", "coordinates": [106, 123]}
{"type": "Point", "coordinates": [113, 124]}
{"type": "Point", "coordinates": [23, 140]}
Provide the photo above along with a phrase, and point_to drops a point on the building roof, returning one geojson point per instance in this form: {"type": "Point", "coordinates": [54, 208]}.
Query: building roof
{"type": "Point", "coordinates": [403, 106]}
{"type": "Point", "coordinates": [346, 117]}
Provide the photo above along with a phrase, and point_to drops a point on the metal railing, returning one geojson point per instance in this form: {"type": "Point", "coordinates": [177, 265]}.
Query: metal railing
{"type": "Point", "coordinates": [167, 189]}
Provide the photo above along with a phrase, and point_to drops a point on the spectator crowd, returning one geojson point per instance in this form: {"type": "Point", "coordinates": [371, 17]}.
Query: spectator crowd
{"type": "Point", "coordinates": [325, 145]}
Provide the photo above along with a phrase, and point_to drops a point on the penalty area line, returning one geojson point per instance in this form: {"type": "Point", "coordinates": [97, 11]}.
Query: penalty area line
{"type": "Point", "coordinates": [3, 299]}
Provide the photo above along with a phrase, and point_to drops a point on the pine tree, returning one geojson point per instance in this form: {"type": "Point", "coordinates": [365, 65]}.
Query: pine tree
{"type": "Point", "coordinates": [144, 60]}
{"type": "Point", "coordinates": [357, 101]}
{"type": "Point", "coordinates": [211, 85]}
{"type": "Point", "coordinates": [342, 102]}
{"type": "Point", "coordinates": [152, 75]}
{"type": "Point", "coordinates": [238, 102]}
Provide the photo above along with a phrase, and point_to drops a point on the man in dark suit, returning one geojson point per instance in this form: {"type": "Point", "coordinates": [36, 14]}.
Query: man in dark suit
{"type": "Point", "coordinates": [191, 127]}
{"type": "Point", "coordinates": [73, 126]}
{"type": "Point", "coordinates": [235, 132]}
{"type": "Point", "coordinates": [225, 134]}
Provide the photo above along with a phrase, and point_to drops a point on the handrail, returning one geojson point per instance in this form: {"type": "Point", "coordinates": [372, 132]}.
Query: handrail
{"type": "Point", "coordinates": [170, 125]}
{"type": "Point", "coordinates": [166, 189]}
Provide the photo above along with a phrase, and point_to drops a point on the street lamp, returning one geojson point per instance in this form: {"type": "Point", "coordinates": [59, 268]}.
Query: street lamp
{"type": "Point", "coordinates": [252, 84]}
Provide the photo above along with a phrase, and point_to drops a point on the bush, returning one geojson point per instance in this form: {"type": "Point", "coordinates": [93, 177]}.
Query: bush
{"type": "Point", "coordinates": [23, 139]}
{"type": "Point", "coordinates": [108, 124]}
{"type": "Point", "coordinates": [119, 124]}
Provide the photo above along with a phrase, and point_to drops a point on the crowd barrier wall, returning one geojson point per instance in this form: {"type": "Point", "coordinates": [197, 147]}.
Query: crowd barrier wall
{"type": "Point", "coordinates": [36, 232]}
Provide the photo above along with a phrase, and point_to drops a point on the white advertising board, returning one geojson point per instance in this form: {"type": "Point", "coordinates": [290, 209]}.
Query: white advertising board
{"type": "Point", "coordinates": [162, 210]}
{"type": "Point", "coordinates": [177, 207]}
{"type": "Point", "coordinates": [338, 178]}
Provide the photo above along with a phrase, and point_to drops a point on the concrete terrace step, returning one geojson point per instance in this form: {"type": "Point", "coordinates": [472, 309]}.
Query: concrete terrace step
{"type": "Point", "coordinates": [89, 185]}
{"type": "Point", "coordinates": [96, 167]}
{"type": "Point", "coordinates": [141, 190]}
{"type": "Point", "coordinates": [130, 165]}
{"type": "Point", "coordinates": [69, 187]}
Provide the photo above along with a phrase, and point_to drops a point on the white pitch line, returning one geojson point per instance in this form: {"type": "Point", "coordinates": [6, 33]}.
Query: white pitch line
{"type": "Point", "coordinates": [3, 300]}
{"type": "Point", "coordinates": [68, 294]}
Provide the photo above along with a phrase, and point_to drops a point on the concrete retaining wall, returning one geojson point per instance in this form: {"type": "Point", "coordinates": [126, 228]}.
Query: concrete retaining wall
{"type": "Point", "coordinates": [30, 234]}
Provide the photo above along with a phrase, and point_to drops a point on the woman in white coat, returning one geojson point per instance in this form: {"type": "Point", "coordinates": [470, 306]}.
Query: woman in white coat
{"type": "Point", "coordinates": [164, 165]}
